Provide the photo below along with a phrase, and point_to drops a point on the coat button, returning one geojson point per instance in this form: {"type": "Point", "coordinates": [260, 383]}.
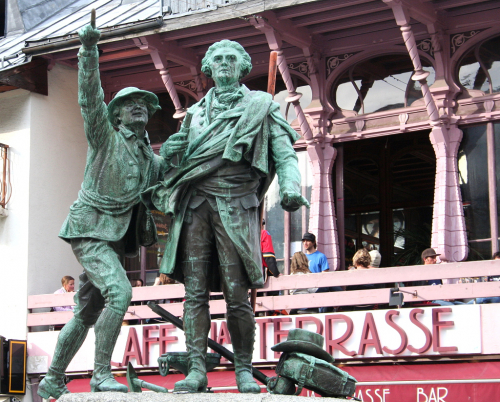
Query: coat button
{"type": "Point", "coordinates": [229, 199]}
{"type": "Point", "coordinates": [129, 175]}
{"type": "Point", "coordinates": [130, 163]}
{"type": "Point", "coordinates": [230, 210]}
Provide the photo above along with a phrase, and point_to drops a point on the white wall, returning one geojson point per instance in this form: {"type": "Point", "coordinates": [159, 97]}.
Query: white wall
{"type": "Point", "coordinates": [58, 156]}
{"type": "Point", "coordinates": [14, 229]}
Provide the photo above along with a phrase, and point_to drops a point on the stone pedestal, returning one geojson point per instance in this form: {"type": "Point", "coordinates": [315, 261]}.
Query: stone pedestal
{"type": "Point", "coordinates": [208, 397]}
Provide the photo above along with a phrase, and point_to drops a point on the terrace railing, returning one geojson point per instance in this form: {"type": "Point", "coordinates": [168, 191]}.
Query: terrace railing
{"type": "Point", "coordinates": [170, 294]}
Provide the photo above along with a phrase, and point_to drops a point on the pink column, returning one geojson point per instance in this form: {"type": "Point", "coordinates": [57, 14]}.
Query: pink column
{"type": "Point", "coordinates": [322, 219]}
{"type": "Point", "coordinates": [294, 96]}
{"type": "Point", "coordinates": [169, 84]}
{"type": "Point", "coordinates": [161, 64]}
{"type": "Point", "coordinates": [448, 224]}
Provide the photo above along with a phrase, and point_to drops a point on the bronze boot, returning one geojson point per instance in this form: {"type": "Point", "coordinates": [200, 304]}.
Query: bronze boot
{"type": "Point", "coordinates": [242, 330]}
{"type": "Point", "coordinates": [107, 329]}
{"type": "Point", "coordinates": [69, 342]}
{"type": "Point", "coordinates": [196, 327]}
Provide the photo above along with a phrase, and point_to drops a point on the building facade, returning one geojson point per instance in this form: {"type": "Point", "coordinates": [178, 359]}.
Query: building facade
{"type": "Point", "coordinates": [397, 103]}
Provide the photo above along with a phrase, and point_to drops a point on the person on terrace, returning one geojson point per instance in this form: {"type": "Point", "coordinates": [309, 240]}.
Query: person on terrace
{"type": "Point", "coordinates": [68, 286]}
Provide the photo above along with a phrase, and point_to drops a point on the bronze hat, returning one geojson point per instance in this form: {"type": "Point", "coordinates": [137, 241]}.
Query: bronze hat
{"type": "Point", "coordinates": [307, 342]}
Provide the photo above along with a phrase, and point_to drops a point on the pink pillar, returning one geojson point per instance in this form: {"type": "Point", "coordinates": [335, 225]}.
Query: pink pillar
{"type": "Point", "coordinates": [161, 64]}
{"type": "Point", "coordinates": [322, 219]}
{"type": "Point", "coordinates": [448, 224]}
{"type": "Point", "coordinates": [294, 96]}
{"type": "Point", "coordinates": [169, 84]}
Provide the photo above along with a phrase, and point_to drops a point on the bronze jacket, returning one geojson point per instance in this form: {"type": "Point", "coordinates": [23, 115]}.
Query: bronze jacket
{"type": "Point", "coordinates": [252, 131]}
{"type": "Point", "coordinates": [119, 167]}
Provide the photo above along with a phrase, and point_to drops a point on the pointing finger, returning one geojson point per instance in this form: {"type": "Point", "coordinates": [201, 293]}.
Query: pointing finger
{"type": "Point", "coordinates": [92, 18]}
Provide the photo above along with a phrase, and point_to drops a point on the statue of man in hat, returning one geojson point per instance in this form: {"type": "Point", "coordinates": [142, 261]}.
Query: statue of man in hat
{"type": "Point", "coordinates": [235, 140]}
{"type": "Point", "coordinates": [108, 220]}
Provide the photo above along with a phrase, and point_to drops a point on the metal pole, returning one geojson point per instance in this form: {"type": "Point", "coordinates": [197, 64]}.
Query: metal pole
{"type": "Point", "coordinates": [490, 145]}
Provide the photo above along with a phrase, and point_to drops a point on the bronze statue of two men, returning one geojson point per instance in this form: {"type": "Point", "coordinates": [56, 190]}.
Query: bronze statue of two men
{"type": "Point", "coordinates": [211, 176]}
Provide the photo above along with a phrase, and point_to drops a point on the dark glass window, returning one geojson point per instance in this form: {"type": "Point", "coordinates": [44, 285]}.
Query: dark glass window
{"type": "Point", "coordinates": [378, 84]}
{"type": "Point", "coordinates": [479, 69]}
{"type": "Point", "coordinates": [473, 176]}
{"type": "Point", "coordinates": [162, 124]}
{"type": "Point", "coordinates": [497, 168]}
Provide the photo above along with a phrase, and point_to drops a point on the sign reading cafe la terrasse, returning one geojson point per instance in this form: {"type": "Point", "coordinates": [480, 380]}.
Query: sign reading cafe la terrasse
{"type": "Point", "coordinates": [378, 333]}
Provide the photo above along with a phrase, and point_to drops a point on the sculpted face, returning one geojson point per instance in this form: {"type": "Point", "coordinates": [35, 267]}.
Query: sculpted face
{"type": "Point", "coordinates": [226, 66]}
{"type": "Point", "coordinates": [133, 111]}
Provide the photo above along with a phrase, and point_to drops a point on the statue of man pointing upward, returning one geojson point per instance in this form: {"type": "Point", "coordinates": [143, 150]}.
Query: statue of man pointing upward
{"type": "Point", "coordinates": [108, 220]}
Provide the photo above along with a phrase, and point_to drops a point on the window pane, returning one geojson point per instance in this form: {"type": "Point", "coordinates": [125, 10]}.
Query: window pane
{"type": "Point", "coordinates": [304, 101]}
{"type": "Point", "coordinates": [370, 224]}
{"type": "Point", "coordinates": [489, 54]}
{"type": "Point", "coordinates": [346, 95]}
{"type": "Point", "coordinates": [384, 83]}
{"type": "Point", "coordinates": [298, 223]}
{"type": "Point", "coordinates": [479, 251]}
{"type": "Point", "coordinates": [472, 76]}
{"type": "Point", "coordinates": [362, 176]}
{"type": "Point", "coordinates": [473, 176]}
{"type": "Point", "coordinates": [497, 167]}
{"type": "Point", "coordinates": [275, 218]}
{"type": "Point", "coordinates": [162, 124]}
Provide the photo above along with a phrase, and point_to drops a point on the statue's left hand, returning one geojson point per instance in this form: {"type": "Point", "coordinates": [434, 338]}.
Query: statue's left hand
{"type": "Point", "coordinates": [89, 34]}
{"type": "Point", "coordinates": [291, 201]}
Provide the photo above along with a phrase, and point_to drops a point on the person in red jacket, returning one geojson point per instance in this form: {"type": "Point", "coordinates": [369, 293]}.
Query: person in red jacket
{"type": "Point", "coordinates": [268, 258]}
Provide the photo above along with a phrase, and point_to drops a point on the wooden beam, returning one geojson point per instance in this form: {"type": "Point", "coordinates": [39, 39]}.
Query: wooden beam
{"type": "Point", "coordinates": [31, 76]}
{"type": "Point", "coordinates": [324, 6]}
{"type": "Point", "coordinates": [374, 18]}
{"type": "Point", "coordinates": [443, 5]}
{"type": "Point", "coordinates": [422, 12]}
{"type": "Point", "coordinates": [335, 15]}
{"type": "Point", "coordinates": [289, 31]}
{"type": "Point", "coordinates": [208, 39]}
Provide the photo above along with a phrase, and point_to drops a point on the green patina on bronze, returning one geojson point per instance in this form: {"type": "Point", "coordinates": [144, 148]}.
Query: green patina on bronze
{"type": "Point", "coordinates": [108, 220]}
{"type": "Point", "coordinates": [232, 143]}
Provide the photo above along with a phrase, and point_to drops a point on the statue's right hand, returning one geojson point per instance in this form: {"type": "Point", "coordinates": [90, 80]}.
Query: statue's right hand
{"type": "Point", "coordinates": [175, 144]}
{"type": "Point", "coordinates": [89, 34]}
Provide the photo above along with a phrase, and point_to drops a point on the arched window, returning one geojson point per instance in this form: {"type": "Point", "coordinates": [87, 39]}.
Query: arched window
{"type": "Point", "coordinates": [479, 69]}
{"type": "Point", "coordinates": [378, 84]}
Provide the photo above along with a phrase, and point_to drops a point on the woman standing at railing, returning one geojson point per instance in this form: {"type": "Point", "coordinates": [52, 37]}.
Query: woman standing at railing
{"type": "Point", "coordinates": [300, 266]}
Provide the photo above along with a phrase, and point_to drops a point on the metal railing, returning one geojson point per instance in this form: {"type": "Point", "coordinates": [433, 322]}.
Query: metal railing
{"type": "Point", "coordinates": [172, 294]}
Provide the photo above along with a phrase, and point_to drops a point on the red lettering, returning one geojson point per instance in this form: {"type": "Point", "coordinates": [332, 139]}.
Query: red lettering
{"type": "Point", "coordinates": [332, 344]}
{"type": "Point", "coordinates": [401, 332]}
{"type": "Point", "coordinates": [299, 322]}
{"type": "Point", "coordinates": [425, 330]}
{"type": "Point", "coordinates": [132, 348]}
{"type": "Point", "coordinates": [436, 325]}
{"type": "Point", "coordinates": [262, 322]}
{"type": "Point", "coordinates": [279, 333]}
{"type": "Point", "coordinates": [369, 327]}
{"type": "Point", "coordinates": [224, 336]}
{"type": "Point", "coordinates": [165, 338]}
{"type": "Point", "coordinates": [146, 341]}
